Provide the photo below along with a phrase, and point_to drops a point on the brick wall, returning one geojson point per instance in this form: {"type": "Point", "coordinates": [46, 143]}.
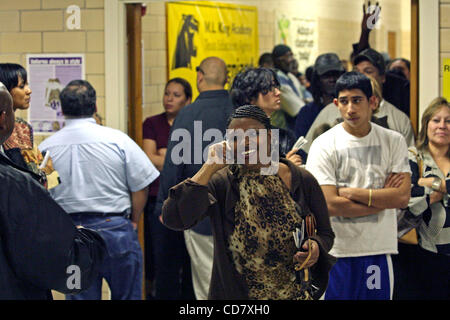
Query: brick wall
{"type": "Point", "coordinates": [338, 27]}
{"type": "Point", "coordinates": [155, 57]}
{"type": "Point", "coordinates": [39, 26]}
{"type": "Point", "coordinates": [444, 35]}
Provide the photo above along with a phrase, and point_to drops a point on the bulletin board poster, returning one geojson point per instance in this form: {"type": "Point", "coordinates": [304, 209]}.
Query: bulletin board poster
{"type": "Point", "coordinates": [300, 35]}
{"type": "Point", "coordinates": [47, 76]}
{"type": "Point", "coordinates": [200, 29]}
{"type": "Point", "coordinates": [446, 79]}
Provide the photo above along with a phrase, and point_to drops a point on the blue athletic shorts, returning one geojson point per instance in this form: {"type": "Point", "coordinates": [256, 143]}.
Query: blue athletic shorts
{"type": "Point", "coordinates": [361, 278]}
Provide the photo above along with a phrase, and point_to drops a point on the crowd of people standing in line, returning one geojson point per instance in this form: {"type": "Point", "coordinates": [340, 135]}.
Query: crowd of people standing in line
{"type": "Point", "coordinates": [376, 180]}
{"type": "Point", "coordinates": [322, 225]}
{"type": "Point", "coordinates": [389, 193]}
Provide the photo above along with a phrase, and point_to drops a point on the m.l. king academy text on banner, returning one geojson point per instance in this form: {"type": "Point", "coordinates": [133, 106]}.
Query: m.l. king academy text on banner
{"type": "Point", "coordinates": [201, 29]}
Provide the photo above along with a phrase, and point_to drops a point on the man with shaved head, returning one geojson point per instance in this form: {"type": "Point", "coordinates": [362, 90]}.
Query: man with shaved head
{"type": "Point", "coordinates": [212, 74]}
{"type": "Point", "coordinates": [41, 249]}
{"type": "Point", "coordinates": [211, 110]}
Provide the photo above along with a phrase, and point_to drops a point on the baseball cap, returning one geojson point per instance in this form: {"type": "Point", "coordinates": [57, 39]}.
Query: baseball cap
{"type": "Point", "coordinates": [280, 50]}
{"type": "Point", "coordinates": [373, 57]}
{"type": "Point", "coordinates": [328, 62]}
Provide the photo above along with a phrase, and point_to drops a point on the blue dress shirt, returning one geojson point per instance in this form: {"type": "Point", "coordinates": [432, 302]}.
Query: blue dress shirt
{"type": "Point", "coordinates": [98, 167]}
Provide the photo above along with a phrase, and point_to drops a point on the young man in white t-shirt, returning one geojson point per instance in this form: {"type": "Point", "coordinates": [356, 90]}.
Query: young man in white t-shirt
{"type": "Point", "coordinates": [365, 176]}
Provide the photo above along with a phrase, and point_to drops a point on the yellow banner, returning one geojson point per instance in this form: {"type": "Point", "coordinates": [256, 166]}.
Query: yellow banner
{"type": "Point", "coordinates": [200, 29]}
{"type": "Point", "coordinates": [446, 79]}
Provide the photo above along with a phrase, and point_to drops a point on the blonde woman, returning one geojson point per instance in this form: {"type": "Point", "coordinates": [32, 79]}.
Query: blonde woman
{"type": "Point", "coordinates": [430, 166]}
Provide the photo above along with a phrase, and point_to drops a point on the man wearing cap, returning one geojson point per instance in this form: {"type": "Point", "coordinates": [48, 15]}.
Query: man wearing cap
{"type": "Point", "coordinates": [395, 88]}
{"type": "Point", "coordinates": [327, 69]}
{"type": "Point", "coordinates": [292, 92]}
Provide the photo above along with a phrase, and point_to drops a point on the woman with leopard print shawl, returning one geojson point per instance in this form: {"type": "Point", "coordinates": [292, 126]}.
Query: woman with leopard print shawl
{"type": "Point", "coordinates": [253, 216]}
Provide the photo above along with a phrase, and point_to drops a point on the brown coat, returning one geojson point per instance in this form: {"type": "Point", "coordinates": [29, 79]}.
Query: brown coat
{"type": "Point", "coordinates": [189, 202]}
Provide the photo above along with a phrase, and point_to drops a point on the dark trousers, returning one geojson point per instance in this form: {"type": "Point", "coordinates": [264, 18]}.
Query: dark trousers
{"type": "Point", "coordinates": [406, 285]}
{"type": "Point", "coordinates": [420, 274]}
{"type": "Point", "coordinates": [434, 275]}
{"type": "Point", "coordinates": [167, 260]}
{"type": "Point", "coordinates": [122, 266]}
{"type": "Point", "coordinates": [149, 251]}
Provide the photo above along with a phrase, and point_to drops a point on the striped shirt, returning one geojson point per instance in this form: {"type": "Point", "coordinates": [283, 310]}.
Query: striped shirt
{"type": "Point", "coordinates": [434, 231]}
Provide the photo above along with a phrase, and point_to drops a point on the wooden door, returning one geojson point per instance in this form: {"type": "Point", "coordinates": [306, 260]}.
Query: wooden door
{"type": "Point", "coordinates": [392, 44]}
{"type": "Point", "coordinates": [134, 46]}
{"type": "Point", "coordinates": [414, 72]}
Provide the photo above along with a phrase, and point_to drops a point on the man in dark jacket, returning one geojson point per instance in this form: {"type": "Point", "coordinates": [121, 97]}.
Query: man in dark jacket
{"type": "Point", "coordinates": [210, 113]}
{"type": "Point", "coordinates": [40, 247]}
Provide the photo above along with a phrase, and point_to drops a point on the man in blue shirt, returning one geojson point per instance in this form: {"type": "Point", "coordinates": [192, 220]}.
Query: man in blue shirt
{"type": "Point", "coordinates": [104, 180]}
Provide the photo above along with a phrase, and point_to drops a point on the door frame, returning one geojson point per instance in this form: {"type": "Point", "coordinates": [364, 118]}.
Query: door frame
{"type": "Point", "coordinates": [428, 52]}
{"type": "Point", "coordinates": [116, 91]}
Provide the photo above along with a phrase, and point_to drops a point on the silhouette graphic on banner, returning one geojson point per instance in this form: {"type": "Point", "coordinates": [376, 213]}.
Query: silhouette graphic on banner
{"type": "Point", "coordinates": [185, 43]}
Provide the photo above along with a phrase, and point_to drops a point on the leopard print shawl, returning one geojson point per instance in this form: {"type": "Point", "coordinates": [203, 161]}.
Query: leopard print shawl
{"type": "Point", "coordinates": [262, 245]}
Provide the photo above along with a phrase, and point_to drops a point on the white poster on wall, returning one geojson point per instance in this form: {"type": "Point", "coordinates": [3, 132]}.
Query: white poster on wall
{"type": "Point", "coordinates": [300, 35]}
{"type": "Point", "coordinates": [48, 74]}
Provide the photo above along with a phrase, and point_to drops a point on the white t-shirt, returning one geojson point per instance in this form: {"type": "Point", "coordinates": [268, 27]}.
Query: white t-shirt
{"type": "Point", "coordinates": [343, 160]}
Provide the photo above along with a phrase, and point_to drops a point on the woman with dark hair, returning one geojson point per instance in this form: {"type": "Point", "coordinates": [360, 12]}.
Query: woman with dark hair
{"type": "Point", "coordinates": [260, 87]}
{"type": "Point", "coordinates": [20, 146]}
{"type": "Point", "coordinates": [177, 94]}
{"type": "Point", "coordinates": [428, 267]}
{"type": "Point", "coordinates": [254, 215]}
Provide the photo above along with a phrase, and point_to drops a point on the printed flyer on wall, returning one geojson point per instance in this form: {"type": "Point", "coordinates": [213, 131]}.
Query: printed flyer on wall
{"type": "Point", "coordinates": [48, 75]}
{"type": "Point", "coordinates": [300, 35]}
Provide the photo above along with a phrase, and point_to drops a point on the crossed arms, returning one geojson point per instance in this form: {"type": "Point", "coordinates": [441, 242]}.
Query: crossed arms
{"type": "Point", "coordinates": [354, 202]}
